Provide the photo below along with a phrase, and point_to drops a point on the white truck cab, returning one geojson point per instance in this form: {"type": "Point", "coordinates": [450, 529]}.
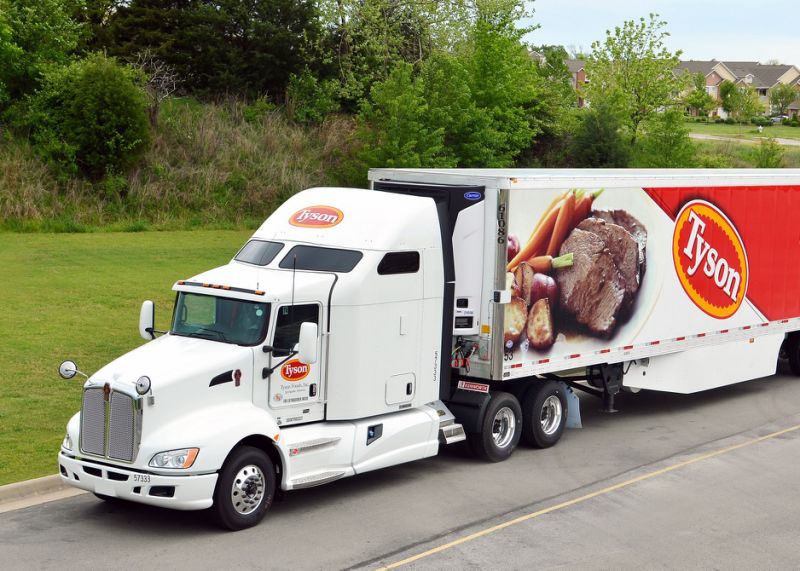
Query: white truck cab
{"type": "Point", "coordinates": [313, 355]}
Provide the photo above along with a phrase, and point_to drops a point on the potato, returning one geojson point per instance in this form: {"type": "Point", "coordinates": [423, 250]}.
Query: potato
{"type": "Point", "coordinates": [540, 330]}
{"type": "Point", "coordinates": [524, 277]}
{"type": "Point", "coordinates": [516, 314]}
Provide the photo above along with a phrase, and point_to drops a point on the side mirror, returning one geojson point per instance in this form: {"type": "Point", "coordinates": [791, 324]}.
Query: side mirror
{"type": "Point", "coordinates": [307, 352]}
{"type": "Point", "coordinates": [67, 369]}
{"type": "Point", "coordinates": [147, 320]}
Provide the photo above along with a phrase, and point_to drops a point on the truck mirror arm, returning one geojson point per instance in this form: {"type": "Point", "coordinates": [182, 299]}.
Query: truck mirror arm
{"type": "Point", "coordinates": [152, 331]}
{"type": "Point", "coordinates": [266, 372]}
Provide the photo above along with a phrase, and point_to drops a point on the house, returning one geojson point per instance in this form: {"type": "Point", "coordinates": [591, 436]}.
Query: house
{"type": "Point", "coordinates": [761, 77]}
{"type": "Point", "coordinates": [576, 68]}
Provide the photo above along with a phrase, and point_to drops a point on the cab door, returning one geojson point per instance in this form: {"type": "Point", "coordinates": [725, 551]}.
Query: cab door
{"type": "Point", "coordinates": [295, 388]}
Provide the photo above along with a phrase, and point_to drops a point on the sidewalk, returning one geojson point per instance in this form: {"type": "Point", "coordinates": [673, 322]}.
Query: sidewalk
{"type": "Point", "coordinates": [34, 492]}
{"type": "Point", "coordinates": [786, 142]}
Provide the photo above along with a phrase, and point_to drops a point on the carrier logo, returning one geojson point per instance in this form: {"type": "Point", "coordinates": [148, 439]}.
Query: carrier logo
{"type": "Point", "coordinates": [294, 370]}
{"type": "Point", "coordinates": [317, 217]}
{"type": "Point", "coordinates": [710, 259]}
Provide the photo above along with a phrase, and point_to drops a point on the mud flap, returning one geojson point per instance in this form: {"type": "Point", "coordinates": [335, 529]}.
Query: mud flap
{"type": "Point", "coordinates": [573, 406]}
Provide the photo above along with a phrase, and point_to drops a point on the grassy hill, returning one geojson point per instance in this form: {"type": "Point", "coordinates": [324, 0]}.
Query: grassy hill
{"type": "Point", "coordinates": [210, 165]}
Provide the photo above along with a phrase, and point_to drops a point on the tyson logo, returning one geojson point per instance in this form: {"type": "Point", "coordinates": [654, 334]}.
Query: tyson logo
{"type": "Point", "coordinates": [294, 370]}
{"type": "Point", "coordinates": [710, 259]}
{"type": "Point", "coordinates": [317, 217]}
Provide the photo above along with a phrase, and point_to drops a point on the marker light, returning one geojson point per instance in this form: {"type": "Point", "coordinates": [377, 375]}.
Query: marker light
{"type": "Point", "coordinates": [183, 458]}
{"type": "Point", "coordinates": [67, 443]}
{"type": "Point", "coordinates": [143, 385]}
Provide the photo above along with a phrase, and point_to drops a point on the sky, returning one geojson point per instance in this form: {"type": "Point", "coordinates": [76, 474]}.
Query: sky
{"type": "Point", "coordinates": [733, 30]}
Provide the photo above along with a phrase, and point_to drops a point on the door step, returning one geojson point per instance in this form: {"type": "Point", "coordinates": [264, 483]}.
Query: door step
{"type": "Point", "coordinates": [316, 479]}
{"type": "Point", "coordinates": [449, 430]}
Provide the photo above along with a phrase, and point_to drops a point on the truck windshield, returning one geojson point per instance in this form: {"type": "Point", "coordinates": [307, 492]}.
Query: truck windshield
{"type": "Point", "coordinates": [221, 319]}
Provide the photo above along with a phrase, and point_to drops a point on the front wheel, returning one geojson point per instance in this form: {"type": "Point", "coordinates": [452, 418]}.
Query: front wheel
{"type": "Point", "coordinates": [500, 429]}
{"type": "Point", "coordinates": [245, 489]}
{"type": "Point", "coordinates": [544, 410]}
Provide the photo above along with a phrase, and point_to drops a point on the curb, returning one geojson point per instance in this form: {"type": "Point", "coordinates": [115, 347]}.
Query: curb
{"type": "Point", "coordinates": [28, 488]}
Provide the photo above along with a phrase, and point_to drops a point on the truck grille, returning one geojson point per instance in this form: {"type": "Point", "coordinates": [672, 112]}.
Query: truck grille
{"type": "Point", "coordinates": [110, 428]}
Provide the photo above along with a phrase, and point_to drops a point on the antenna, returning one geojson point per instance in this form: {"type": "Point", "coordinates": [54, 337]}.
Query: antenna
{"type": "Point", "coordinates": [294, 273]}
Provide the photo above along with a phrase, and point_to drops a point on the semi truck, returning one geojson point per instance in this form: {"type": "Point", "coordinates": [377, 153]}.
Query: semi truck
{"type": "Point", "coordinates": [362, 328]}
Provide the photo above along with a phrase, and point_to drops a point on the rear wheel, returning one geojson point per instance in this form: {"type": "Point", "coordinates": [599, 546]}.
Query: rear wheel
{"type": "Point", "coordinates": [500, 429]}
{"type": "Point", "coordinates": [245, 489]}
{"type": "Point", "coordinates": [793, 353]}
{"type": "Point", "coordinates": [544, 410]}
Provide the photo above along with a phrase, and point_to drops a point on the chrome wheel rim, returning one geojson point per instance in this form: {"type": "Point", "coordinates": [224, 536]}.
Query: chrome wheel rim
{"type": "Point", "coordinates": [552, 411]}
{"type": "Point", "coordinates": [503, 427]}
{"type": "Point", "coordinates": [247, 491]}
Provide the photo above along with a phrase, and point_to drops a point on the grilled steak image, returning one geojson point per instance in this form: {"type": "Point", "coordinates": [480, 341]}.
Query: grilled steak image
{"type": "Point", "coordinates": [624, 251]}
{"type": "Point", "coordinates": [592, 289]}
{"type": "Point", "coordinates": [632, 225]}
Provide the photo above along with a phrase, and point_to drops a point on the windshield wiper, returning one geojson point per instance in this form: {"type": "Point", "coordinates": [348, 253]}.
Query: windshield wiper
{"type": "Point", "coordinates": [198, 332]}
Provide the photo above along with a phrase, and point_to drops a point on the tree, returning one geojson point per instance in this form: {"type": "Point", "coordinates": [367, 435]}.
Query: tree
{"type": "Point", "coordinates": [781, 96]}
{"type": "Point", "coordinates": [90, 117]}
{"type": "Point", "coordinates": [34, 35]}
{"type": "Point", "coordinates": [599, 141]}
{"type": "Point", "coordinates": [633, 69]}
{"type": "Point", "coordinates": [393, 127]}
{"type": "Point", "coordinates": [727, 94]}
{"type": "Point", "coordinates": [665, 142]}
{"type": "Point", "coordinates": [744, 103]}
{"type": "Point", "coordinates": [698, 98]}
{"type": "Point", "coordinates": [221, 47]}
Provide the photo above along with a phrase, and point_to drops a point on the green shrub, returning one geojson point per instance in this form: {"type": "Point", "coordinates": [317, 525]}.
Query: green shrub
{"type": "Point", "coordinates": [767, 155]}
{"type": "Point", "coordinates": [90, 117]}
{"type": "Point", "coordinates": [309, 100]}
{"type": "Point", "coordinates": [761, 121]}
{"type": "Point", "coordinates": [730, 121]}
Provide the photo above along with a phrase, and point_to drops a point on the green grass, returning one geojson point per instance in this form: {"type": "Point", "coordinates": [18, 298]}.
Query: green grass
{"type": "Point", "coordinates": [744, 131]}
{"type": "Point", "coordinates": [78, 296]}
{"type": "Point", "coordinates": [732, 154]}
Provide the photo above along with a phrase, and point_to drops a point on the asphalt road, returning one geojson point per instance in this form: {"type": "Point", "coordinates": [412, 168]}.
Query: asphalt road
{"type": "Point", "coordinates": [671, 481]}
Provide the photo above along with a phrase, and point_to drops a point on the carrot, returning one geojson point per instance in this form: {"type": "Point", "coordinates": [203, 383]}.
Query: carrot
{"type": "Point", "coordinates": [546, 264]}
{"type": "Point", "coordinates": [563, 224]}
{"type": "Point", "coordinates": [538, 241]}
{"type": "Point", "coordinates": [550, 207]}
{"type": "Point", "coordinates": [582, 209]}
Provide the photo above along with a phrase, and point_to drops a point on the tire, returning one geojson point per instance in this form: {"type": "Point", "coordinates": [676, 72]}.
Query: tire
{"type": "Point", "coordinates": [793, 353]}
{"type": "Point", "coordinates": [245, 489]}
{"type": "Point", "coordinates": [500, 429]}
{"type": "Point", "coordinates": [544, 410]}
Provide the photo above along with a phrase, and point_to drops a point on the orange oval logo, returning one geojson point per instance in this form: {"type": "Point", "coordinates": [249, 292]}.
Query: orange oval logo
{"type": "Point", "coordinates": [710, 259]}
{"type": "Point", "coordinates": [294, 370]}
{"type": "Point", "coordinates": [317, 217]}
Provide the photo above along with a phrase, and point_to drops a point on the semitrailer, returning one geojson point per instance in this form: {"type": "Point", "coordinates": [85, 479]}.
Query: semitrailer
{"type": "Point", "coordinates": [363, 328]}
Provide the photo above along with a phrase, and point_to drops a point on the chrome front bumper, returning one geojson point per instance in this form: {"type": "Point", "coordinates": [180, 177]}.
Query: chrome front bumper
{"type": "Point", "coordinates": [190, 492]}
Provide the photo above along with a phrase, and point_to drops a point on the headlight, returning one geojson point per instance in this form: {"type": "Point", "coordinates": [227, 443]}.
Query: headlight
{"type": "Point", "coordinates": [183, 458]}
{"type": "Point", "coordinates": [67, 443]}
